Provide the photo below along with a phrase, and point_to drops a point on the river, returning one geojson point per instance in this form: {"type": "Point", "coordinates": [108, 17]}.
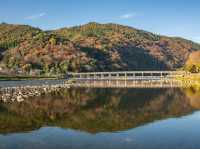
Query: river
{"type": "Point", "coordinates": [17, 83]}
{"type": "Point", "coordinates": [103, 118]}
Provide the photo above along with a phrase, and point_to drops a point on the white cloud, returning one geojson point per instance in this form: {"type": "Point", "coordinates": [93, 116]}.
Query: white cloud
{"type": "Point", "coordinates": [35, 16]}
{"type": "Point", "coordinates": [128, 16]}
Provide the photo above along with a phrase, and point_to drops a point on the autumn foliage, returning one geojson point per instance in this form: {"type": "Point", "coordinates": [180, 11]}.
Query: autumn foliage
{"type": "Point", "coordinates": [90, 47]}
{"type": "Point", "coordinates": [193, 62]}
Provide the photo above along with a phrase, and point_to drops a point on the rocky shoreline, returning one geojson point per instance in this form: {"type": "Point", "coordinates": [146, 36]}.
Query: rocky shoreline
{"type": "Point", "coordinates": [20, 93]}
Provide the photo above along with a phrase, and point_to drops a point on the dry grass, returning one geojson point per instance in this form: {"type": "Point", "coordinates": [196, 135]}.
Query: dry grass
{"type": "Point", "coordinates": [192, 80]}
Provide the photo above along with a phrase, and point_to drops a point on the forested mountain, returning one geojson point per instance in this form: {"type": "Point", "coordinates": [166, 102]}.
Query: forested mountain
{"type": "Point", "coordinates": [90, 47]}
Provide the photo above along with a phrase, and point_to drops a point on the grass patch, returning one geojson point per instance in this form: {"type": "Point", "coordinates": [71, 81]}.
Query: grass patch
{"type": "Point", "coordinates": [192, 80]}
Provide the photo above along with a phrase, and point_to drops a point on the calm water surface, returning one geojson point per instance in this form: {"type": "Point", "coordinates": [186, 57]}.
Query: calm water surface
{"type": "Point", "coordinates": [103, 119]}
{"type": "Point", "coordinates": [30, 82]}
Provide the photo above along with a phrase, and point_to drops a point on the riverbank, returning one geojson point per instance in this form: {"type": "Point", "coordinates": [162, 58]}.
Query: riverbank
{"type": "Point", "coordinates": [20, 93]}
{"type": "Point", "coordinates": [194, 80]}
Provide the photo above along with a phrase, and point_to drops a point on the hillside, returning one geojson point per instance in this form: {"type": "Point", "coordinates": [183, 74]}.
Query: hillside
{"type": "Point", "coordinates": [90, 47]}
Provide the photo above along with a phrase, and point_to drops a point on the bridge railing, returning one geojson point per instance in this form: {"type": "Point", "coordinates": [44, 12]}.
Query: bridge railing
{"type": "Point", "coordinates": [123, 75]}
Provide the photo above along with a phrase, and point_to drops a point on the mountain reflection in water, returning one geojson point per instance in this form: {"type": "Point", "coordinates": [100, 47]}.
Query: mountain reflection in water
{"type": "Point", "coordinates": [103, 118]}
{"type": "Point", "coordinates": [97, 110]}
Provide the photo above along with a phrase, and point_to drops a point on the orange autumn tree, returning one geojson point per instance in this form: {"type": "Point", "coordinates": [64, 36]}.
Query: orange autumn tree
{"type": "Point", "coordinates": [193, 62]}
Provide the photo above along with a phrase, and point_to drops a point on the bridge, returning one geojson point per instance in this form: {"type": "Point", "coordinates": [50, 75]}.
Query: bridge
{"type": "Point", "coordinates": [126, 75]}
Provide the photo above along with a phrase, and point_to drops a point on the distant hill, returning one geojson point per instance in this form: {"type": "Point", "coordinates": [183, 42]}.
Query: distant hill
{"type": "Point", "coordinates": [90, 47]}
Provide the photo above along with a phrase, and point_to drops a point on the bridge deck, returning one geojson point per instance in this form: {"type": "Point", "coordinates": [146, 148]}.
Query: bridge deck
{"type": "Point", "coordinates": [129, 72]}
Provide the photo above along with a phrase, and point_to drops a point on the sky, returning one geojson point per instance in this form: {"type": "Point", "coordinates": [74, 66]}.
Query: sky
{"type": "Point", "coordinates": [166, 17]}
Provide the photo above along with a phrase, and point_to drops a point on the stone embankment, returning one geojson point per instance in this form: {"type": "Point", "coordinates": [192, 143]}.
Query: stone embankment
{"type": "Point", "coordinates": [19, 94]}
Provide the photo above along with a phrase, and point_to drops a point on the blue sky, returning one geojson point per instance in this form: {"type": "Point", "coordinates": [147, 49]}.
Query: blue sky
{"type": "Point", "coordinates": [167, 17]}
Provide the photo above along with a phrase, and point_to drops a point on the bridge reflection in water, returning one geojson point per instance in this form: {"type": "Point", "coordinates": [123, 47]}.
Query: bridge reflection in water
{"type": "Point", "coordinates": [130, 84]}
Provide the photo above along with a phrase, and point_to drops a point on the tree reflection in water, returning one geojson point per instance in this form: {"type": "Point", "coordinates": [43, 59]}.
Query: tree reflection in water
{"type": "Point", "coordinates": [97, 110]}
